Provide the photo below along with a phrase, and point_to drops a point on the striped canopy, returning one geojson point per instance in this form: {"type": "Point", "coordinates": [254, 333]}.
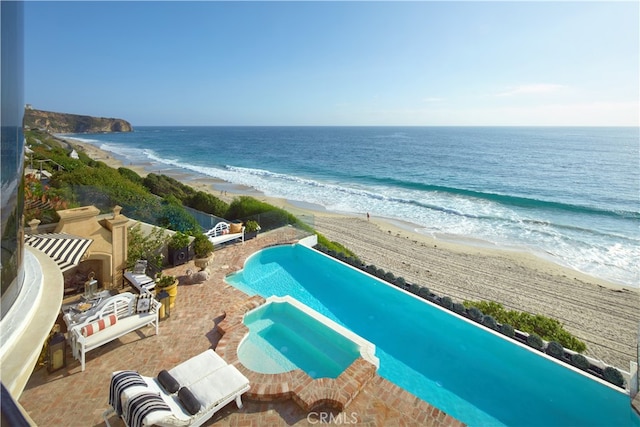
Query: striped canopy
{"type": "Point", "coordinates": [65, 249]}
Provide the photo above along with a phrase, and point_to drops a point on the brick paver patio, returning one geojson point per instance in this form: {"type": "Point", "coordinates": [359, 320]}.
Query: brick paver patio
{"type": "Point", "coordinates": [70, 397]}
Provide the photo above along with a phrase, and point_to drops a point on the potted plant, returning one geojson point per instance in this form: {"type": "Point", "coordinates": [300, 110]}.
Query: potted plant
{"type": "Point", "coordinates": [178, 248]}
{"type": "Point", "coordinates": [169, 284]}
{"type": "Point", "coordinates": [203, 251]}
{"type": "Point", "coordinates": [251, 229]}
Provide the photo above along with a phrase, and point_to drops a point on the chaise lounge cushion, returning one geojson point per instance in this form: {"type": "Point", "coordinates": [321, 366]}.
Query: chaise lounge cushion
{"type": "Point", "coordinates": [189, 401]}
{"type": "Point", "coordinates": [98, 325]}
{"type": "Point", "coordinates": [167, 382]}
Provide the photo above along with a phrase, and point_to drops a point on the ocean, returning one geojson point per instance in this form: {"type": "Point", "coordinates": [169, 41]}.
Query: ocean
{"type": "Point", "coordinates": [567, 194]}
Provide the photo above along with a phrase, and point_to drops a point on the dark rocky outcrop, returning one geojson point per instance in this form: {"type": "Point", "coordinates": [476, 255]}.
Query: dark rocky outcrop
{"type": "Point", "coordinates": [72, 123]}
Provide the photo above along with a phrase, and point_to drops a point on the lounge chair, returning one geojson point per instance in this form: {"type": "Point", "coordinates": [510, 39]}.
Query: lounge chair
{"type": "Point", "coordinates": [205, 384]}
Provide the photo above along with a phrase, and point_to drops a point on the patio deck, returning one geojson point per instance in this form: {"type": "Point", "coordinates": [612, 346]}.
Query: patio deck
{"type": "Point", "coordinates": [73, 398]}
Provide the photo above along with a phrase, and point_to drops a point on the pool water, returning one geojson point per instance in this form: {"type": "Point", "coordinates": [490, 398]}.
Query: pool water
{"type": "Point", "coordinates": [467, 371]}
{"type": "Point", "coordinates": [284, 335]}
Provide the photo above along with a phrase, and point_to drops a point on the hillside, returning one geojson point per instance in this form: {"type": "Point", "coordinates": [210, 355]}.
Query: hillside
{"type": "Point", "coordinates": [72, 123]}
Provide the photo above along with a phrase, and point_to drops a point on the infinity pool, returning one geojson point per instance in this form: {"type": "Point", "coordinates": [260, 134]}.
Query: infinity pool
{"type": "Point", "coordinates": [467, 371]}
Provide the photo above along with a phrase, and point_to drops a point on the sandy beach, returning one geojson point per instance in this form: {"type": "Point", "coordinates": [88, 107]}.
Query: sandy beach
{"type": "Point", "coordinates": [604, 315]}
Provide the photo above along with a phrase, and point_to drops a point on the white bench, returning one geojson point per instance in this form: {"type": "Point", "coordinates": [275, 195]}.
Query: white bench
{"type": "Point", "coordinates": [128, 318]}
{"type": "Point", "coordinates": [222, 233]}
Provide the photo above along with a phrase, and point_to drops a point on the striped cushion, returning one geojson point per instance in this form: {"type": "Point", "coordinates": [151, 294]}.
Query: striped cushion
{"type": "Point", "coordinates": [98, 325]}
{"type": "Point", "coordinates": [142, 405]}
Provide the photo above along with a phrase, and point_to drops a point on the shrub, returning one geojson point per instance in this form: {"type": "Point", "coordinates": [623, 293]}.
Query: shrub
{"type": "Point", "coordinates": [130, 175]}
{"type": "Point", "coordinates": [400, 282]}
{"type": "Point", "coordinates": [489, 322]}
{"type": "Point", "coordinates": [459, 308]}
{"type": "Point", "coordinates": [555, 349]}
{"type": "Point", "coordinates": [206, 202]}
{"type": "Point", "coordinates": [447, 303]}
{"type": "Point", "coordinates": [614, 376]}
{"type": "Point", "coordinates": [580, 362]}
{"type": "Point", "coordinates": [424, 291]}
{"type": "Point", "coordinates": [179, 240]}
{"type": "Point", "coordinates": [202, 246]}
{"type": "Point", "coordinates": [389, 277]}
{"type": "Point", "coordinates": [371, 269]}
{"type": "Point", "coordinates": [380, 273]}
{"type": "Point", "coordinates": [534, 340]}
{"type": "Point", "coordinates": [322, 248]}
{"type": "Point", "coordinates": [475, 314]}
{"type": "Point", "coordinates": [164, 186]}
{"type": "Point", "coordinates": [414, 288]}
{"type": "Point", "coordinates": [507, 330]}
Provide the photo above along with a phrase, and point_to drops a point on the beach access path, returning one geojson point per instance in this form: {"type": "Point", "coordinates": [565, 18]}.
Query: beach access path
{"type": "Point", "coordinates": [604, 316]}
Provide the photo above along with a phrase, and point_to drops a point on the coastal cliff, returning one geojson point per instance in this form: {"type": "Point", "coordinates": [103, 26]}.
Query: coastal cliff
{"type": "Point", "coordinates": [72, 123]}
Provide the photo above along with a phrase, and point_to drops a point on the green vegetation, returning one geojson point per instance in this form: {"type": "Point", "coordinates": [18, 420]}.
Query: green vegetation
{"type": "Point", "coordinates": [580, 362]}
{"type": "Point", "coordinates": [614, 376]}
{"type": "Point", "coordinates": [507, 330]}
{"type": "Point", "coordinates": [535, 341]}
{"type": "Point", "coordinates": [489, 322]}
{"type": "Point", "coordinates": [179, 240]}
{"type": "Point", "coordinates": [447, 303]}
{"type": "Point", "coordinates": [162, 185]}
{"type": "Point", "coordinates": [141, 246]}
{"type": "Point", "coordinates": [202, 246]}
{"type": "Point", "coordinates": [547, 328]}
{"type": "Point", "coordinates": [555, 349]}
{"type": "Point", "coordinates": [251, 226]}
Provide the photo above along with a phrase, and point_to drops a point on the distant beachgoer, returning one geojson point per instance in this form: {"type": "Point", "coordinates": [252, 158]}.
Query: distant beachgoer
{"type": "Point", "coordinates": [367, 216]}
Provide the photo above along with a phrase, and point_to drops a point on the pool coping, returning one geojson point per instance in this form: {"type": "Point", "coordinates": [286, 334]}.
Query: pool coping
{"type": "Point", "coordinates": [310, 394]}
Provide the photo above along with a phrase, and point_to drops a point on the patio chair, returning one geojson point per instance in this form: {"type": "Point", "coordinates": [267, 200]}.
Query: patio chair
{"type": "Point", "coordinates": [199, 388]}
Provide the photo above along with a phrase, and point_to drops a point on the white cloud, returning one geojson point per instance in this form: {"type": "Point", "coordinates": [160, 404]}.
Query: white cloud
{"type": "Point", "coordinates": [532, 89]}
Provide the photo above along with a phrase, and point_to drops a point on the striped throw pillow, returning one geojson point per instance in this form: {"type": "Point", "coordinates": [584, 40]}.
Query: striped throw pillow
{"type": "Point", "coordinates": [98, 325]}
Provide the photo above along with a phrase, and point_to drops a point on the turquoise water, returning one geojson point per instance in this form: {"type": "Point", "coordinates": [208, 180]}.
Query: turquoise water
{"type": "Point", "coordinates": [282, 338]}
{"type": "Point", "coordinates": [468, 372]}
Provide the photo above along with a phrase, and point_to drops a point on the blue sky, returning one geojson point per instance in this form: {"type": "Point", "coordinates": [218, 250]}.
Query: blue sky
{"type": "Point", "coordinates": [336, 63]}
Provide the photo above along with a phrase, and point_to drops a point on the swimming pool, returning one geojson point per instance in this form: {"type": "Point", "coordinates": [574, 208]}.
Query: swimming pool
{"type": "Point", "coordinates": [285, 335]}
{"type": "Point", "coordinates": [474, 375]}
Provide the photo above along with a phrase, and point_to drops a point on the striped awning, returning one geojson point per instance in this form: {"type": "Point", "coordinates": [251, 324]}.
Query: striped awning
{"type": "Point", "coordinates": [65, 249]}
